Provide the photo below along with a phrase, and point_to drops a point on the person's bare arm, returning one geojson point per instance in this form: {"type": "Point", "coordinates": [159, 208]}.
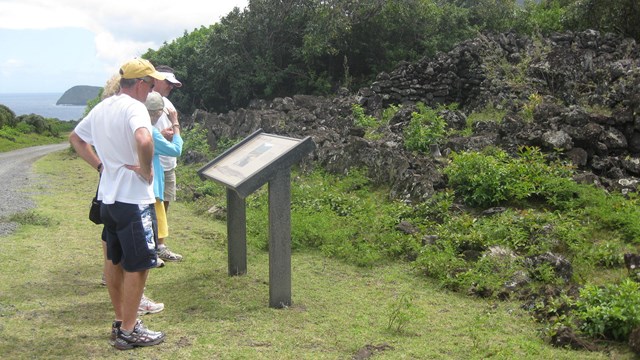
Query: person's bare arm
{"type": "Point", "coordinates": [84, 150]}
{"type": "Point", "coordinates": [175, 125]}
{"type": "Point", "coordinates": [144, 145]}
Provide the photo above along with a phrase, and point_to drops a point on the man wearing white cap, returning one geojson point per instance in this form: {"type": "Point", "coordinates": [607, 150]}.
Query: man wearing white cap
{"type": "Point", "coordinates": [119, 128]}
{"type": "Point", "coordinates": [169, 163]}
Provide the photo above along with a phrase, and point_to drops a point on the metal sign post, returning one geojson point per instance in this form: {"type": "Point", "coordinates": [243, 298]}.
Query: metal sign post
{"type": "Point", "coordinates": [236, 233]}
{"type": "Point", "coordinates": [280, 240]}
{"type": "Point", "coordinates": [244, 168]}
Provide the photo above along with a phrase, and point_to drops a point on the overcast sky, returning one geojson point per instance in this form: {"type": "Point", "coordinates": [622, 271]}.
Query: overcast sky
{"type": "Point", "coordinates": [52, 45]}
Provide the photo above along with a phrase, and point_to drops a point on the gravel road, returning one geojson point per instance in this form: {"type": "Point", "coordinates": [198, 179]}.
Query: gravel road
{"type": "Point", "coordinates": [15, 177]}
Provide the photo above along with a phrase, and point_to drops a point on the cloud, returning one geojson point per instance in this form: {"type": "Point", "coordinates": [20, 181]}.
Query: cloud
{"type": "Point", "coordinates": [134, 20]}
{"type": "Point", "coordinates": [113, 51]}
{"type": "Point", "coordinates": [9, 66]}
{"type": "Point", "coordinates": [119, 30]}
{"type": "Point", "coordinates": [28, 14]}
{"type": "Point", "coordinates": [122, 28]}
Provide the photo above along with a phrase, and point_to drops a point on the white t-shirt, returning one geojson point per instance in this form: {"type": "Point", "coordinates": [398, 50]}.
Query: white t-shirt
{"type": "Point", "coordinates": [168, 162]}
{"type": "Point", "coordinates": [110, 127]}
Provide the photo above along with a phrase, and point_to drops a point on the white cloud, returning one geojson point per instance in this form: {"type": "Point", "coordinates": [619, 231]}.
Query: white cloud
{"type": "Point", "coordinates": [8, 66]}
{"type": "Point", "coordinates": [112, 51]}
{"type": "Point", "coordinates": [136, 20]}
{"type": "Point", "coordinates": [30, 14]}
{"type": "Point", "coordinates": [122, 29]}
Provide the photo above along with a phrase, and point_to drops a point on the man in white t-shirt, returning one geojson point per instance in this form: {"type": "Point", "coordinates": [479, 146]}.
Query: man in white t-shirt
{"type": "Point", "coordinates": [119, 128]}
{"type": "Point", "coordinates": [169, 163]}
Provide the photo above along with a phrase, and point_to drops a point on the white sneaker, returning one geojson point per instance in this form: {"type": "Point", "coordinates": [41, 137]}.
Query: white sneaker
{"type": "Point", "coordinates": [148, 306]}
{"type": "Point", "coordinates": [167, 255]}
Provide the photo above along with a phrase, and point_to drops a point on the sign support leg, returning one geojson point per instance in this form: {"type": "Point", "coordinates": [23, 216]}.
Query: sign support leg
{"type": "Point", "coordinates": [280, 240]}
{"type": "Point", "coordinates": [236, 233]}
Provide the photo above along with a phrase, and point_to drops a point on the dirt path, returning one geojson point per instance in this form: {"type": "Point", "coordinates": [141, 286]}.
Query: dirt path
{"type": "Point", "coordinates": [15, 176]}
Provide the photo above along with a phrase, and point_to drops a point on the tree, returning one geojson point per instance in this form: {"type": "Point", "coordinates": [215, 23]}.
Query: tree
{"type": "Point", "coordinates": [620, 16]}
{"type": "Point", "coordinates": [490, 15]}
{"type": "Point", "coordinates": [7, 116]}
{"type": "Point", "coordinates": [541, 17]}
{"type": "Point", "coordinates": [36, 122]}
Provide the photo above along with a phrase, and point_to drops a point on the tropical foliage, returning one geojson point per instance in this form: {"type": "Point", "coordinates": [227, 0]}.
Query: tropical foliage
{"type": "Point", "coordinates": [275, 48]}
{"type": "Point", "coordinates": [29, 130]}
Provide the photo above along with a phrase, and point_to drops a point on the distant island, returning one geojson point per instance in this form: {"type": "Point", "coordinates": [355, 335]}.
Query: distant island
{"type": "Point", "coordinates": [79, 95]}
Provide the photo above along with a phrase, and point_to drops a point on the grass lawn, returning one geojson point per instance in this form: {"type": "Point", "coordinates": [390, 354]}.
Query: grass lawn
{"type": "Point", "coordinates": [53, 306]}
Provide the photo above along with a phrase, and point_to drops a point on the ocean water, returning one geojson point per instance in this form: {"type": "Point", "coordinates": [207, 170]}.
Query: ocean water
{"type": "Point", "coordinates": [43, 104]}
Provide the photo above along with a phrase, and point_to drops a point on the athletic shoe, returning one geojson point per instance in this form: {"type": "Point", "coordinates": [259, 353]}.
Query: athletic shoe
{"type": "Point", "coordinates": [159, 263]}
{"type": "Point", "coordinates": [165, 254]}
{"type": "Point", "coordinates": [103, 282]}
{"type": "Point", "coordinates": [115, 326]}
{"type": "Point", "coordinates": [148, 306]}
{"type": "Point", "coordinates": [140, 336]}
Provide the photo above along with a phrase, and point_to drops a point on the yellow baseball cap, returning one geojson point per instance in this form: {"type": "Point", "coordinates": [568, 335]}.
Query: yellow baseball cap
{"type": "Point", "coordinates": [139, 68]}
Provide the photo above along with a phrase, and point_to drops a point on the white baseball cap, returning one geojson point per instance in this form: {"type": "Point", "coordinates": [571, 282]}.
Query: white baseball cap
{"type": "Point", "coordinates": [171, 78]}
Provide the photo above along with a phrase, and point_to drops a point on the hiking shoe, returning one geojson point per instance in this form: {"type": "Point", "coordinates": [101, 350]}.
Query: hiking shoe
{"type": "Point", "coordinates": [165, 254]}
{"type": "Point", "coordinates": [148, 306]}
{"type": "Point", "coordinates": [140, 336]}
{"type": "Point", "coordinates": [115, 326]}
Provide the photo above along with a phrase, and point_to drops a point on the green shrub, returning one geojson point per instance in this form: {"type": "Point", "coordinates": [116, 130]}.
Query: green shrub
{"type": "Point", "coordinates": [442, 262]}
{"type": "Point", "coordinates": [514, 230]}
{"type": "Point", "coordinates": [437, 208]}
{"type": "Point", "coordinates": [488, 276]}
{"type": "Point", "coordinates": [611, 311]}
{"type": "Point", "coordinates": [370, 123]}
{"type": "Point", "coordinates": [9, 133]}
{"type": "Point", "coordinates": [608, 254]}
{"type": "Point", "coordinates": [360, 118]}
{"type": "Point", "coordinates": [540, 17]}
{"type": "Point", "coordinates": [24, 128]}
{"type": "Point", "coordinates": [460, 258]}
{"type": "Point", "coordinates": [480, 179]}
{"type": "Point", "coordinates": [7, 116]}
{"type": "Point", "coordinates": [39, 124]}
{"type": "Point", "coordinates": [611, 212]}
{"type": "Point", "coordinates": [57, 127]}
{"type": "Point", "coordinates": [389, 112]}
{"type": "Point", "coordinates": [426, 127]}
{"type": "Point", "coordinates": [492, 177]}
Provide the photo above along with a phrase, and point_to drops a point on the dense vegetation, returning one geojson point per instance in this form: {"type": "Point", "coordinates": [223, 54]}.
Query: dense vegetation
{"type": "Point", "coordinates": [505, 228]}
{"type": "Point", "coordinates": [277, 48]}
{"type": "Point", "coordinates": [29, 130]}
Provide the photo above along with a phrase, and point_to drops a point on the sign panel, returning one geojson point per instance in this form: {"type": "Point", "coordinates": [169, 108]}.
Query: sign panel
{"type": "Point", "coordinates": [252, 162]}
{"type": "Point", "coordinates": [249, 158]}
